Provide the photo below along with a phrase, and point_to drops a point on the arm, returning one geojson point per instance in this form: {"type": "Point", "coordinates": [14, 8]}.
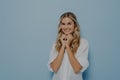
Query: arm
{"type": "Point", "coordinates": [55, 65]}
{"type": "Point", "coordinates": [73, 61]}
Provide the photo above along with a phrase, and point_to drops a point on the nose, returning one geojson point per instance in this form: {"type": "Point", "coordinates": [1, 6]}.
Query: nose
{"type": "Point", "coordinates": [66, 26]}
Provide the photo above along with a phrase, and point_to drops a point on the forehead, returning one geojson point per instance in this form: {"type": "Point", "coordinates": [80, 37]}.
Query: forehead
{"type": "Point", "coordinates": [66, 19]}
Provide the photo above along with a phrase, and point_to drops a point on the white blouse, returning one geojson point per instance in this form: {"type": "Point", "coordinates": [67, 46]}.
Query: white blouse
{"type": "Point", "coordinates": [66, 71]}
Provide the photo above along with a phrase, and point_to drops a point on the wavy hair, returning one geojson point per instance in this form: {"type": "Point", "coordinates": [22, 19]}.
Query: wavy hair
{"type": "Point", "coordinates": [76, 33]}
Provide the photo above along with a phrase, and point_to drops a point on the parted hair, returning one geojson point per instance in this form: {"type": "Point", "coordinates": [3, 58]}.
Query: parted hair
{"type": "Point", "coordinates": [76, 33]}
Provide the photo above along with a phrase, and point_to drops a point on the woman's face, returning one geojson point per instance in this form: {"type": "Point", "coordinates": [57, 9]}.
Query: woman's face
{"type": "Point", "coordinates": [67, 25]}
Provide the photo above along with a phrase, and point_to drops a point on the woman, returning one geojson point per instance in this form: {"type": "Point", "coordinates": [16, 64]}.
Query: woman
{"type": "Point", "coordinates": [69, 54]}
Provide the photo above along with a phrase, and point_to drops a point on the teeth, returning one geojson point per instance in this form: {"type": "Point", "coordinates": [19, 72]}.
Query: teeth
{"type": "Point", "coordinates": [67, 30]}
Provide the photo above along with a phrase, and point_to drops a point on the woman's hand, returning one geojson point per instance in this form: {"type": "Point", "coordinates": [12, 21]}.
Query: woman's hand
{"type": "Point", "coordinates": [69, 39]}
{"type": "Point", "coordinates": [66, 40]}
{"type": "Point", "coordinates": [63, 40]}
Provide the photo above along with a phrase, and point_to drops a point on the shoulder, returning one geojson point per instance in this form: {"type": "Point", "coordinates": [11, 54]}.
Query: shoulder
{"type": "Point", "coordinates": [83, 46]}
{"type": "Point", "coordinates": [84, 43]}
{"type": "Point", "coordinates": [53, 44]}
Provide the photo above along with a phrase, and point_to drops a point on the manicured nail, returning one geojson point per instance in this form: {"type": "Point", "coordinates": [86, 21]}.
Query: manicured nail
{"type": "Point", "coordinates": [66, 39]}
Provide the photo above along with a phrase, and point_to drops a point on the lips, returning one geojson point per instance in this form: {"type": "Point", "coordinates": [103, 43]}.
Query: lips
{"type": "Point", "coordinates": [67, 30]}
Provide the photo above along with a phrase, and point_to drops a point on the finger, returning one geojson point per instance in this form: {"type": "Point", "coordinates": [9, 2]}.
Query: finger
{"type": "Point", "coordinates": [64, 39]}
{"type": "Point", "coordinates": [70, 36]}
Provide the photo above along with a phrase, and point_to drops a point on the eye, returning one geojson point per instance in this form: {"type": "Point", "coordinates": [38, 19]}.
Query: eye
{"type": "Point", "coordinates": [62, 23]}
{"type": "Point", "coordinates": [69, 23]}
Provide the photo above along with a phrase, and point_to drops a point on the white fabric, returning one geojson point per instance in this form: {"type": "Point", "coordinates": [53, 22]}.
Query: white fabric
{"type": "Point", "coordinates": [65, 71]}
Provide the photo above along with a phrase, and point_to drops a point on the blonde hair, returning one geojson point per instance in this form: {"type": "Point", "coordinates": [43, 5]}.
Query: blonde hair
{"type": "Point", "coordinates": [76, 33]}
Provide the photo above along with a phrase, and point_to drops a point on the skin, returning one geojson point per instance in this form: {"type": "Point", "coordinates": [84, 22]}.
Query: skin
{"type": "Point", "coordinates": [67, 26]}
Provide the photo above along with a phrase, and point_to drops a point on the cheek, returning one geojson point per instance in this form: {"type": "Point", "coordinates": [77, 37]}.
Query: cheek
{"type": "Point", "coordinates": [72, 27]}
{"type": "Point", "coordinates": [72, 30]}
{"type": "Point", "coordinates": [62, 28]}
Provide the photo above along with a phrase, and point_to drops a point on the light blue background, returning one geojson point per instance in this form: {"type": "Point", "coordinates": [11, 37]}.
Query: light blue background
{"type": "Point", "coordinates": [29, 27]}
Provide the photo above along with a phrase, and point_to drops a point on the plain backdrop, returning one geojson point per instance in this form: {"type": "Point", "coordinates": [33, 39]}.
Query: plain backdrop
{"type": "Point", "coordinates": [28, 29]}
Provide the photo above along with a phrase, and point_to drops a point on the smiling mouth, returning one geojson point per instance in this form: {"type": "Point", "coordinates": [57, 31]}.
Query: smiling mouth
{"type": "Point", "coordinates": [67, 30]}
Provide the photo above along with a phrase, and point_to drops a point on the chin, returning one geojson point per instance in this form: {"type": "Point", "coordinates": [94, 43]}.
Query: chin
{"type": "Point", "coordinates": [67, 33]}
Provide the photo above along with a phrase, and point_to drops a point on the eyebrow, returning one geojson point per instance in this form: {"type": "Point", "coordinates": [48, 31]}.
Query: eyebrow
{"type": "Point", "coordinates": [67, 22]}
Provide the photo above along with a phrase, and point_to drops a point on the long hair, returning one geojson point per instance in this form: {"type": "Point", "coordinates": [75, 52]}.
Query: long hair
{"type": "Point", "coordinates": [76, 33]}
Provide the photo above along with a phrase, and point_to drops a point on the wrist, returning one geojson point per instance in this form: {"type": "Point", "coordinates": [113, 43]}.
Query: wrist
{"type": "Point", "coordinates": [63, 46]}
{"type": "Point", "coordinates": [67, 46]}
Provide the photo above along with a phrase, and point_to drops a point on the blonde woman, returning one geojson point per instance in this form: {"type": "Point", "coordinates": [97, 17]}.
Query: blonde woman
{"type": "Point", "coordinates": [69, 54]}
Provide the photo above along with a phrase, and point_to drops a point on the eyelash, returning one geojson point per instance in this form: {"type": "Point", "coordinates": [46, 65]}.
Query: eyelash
{"type": "Point", "coordinates": [64, 23]}
{"type": "Point", "coordinates": [69, 23]}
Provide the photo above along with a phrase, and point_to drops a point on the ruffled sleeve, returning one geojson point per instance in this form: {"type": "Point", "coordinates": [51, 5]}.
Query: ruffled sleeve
{"type": "Point", "coordinates": [82, 54]}
{"type": "Point", "coordinates": [52, 56]}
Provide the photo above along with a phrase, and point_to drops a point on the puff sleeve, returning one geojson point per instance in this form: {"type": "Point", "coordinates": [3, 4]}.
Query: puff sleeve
{"type": "Point", "coordinates": [82, 54]}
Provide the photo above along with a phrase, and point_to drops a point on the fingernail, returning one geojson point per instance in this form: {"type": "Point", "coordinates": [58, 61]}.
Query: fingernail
{"type": "Point", "coordinates": [66, 39]}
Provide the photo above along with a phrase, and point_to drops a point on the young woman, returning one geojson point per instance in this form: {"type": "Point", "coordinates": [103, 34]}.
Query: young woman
{"type": "Point", "coordinates": [69, 54]}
